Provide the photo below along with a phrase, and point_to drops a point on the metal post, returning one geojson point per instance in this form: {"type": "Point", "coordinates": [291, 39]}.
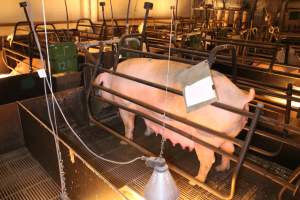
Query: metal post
{"type": "Point", "coordinates": [289, 94]}
{"type": "Point", "coordinates": [127, 17]}
{"type": "Point", "coordinates": [103, 27]}
{"type": "Point", "coordinates": [246, 145]}
{"type": "Point", "coordinates": [148, 6]}
{"type": "Point", "coordinates": [286, 56]}
{"type": "Point", "coordinates": [31, 41]}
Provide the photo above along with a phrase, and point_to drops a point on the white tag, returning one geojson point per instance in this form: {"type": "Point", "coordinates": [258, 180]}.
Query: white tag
{"type": "Point", "coordinates": [42, 73]}
{"type": "Point", "coordinates": [199, 91]}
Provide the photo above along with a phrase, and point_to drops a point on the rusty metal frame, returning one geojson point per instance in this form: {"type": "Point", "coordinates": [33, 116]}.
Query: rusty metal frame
{"type": "Point", "coordinates": [245, 146]}
{"type": "Point", "coordinates": [239, 160]}
{"type": "Point", "coordinates": [247, 164]}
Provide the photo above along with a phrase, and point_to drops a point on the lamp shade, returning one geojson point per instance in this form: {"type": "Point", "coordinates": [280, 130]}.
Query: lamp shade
{"type": "Point", "coordinates": [161, 185]}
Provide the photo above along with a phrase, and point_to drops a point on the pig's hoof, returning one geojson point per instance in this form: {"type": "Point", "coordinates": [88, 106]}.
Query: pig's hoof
{"type": "Point", "coordinates": [147, 132]}
{"type": "Point", "coordinates": [192, 183]}
{"type": "Point", "coordinates": [123, 142]}
{"type": "Point", "coordinates": [92, 124]}
{"type": "Point", "coordinates": [199, 178]}
{"type": "Point", "coordinates": [222, 168]}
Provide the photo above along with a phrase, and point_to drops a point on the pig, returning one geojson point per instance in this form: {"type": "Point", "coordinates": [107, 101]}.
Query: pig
{"type": "Point", "coordinates": [220, 120]}
{"type": "Point", "coordinates": [23, 67]}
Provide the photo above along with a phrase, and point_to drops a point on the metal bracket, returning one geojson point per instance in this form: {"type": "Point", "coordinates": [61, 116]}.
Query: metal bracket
{"type": "Point", "coordinates": [213, 54]}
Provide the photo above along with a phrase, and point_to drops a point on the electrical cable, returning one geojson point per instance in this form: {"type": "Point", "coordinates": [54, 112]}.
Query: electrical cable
{"type": "Point", "coordinates": [49, 84]}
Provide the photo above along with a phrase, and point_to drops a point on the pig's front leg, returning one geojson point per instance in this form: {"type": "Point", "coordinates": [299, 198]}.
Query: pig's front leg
{"type": "Point", "coordinates": [206, 158]}
{"type": "Point", "coordinates": [225, 163]}
{"type": "Point", "coordinates": [128, 120]}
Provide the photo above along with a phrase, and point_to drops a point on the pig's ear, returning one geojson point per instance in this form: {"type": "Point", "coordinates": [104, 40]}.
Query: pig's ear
{"type": "Point", "coordinates": [251, 94]}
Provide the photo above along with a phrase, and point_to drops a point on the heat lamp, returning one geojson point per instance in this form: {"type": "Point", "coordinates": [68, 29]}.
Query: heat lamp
{"type": "Point", "coordinates": [161, 185]}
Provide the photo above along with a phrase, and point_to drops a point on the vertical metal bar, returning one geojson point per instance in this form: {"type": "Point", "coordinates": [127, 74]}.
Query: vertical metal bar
{"type": "Point", "coordinates": [274, 52]}
{"type": "Point", "coordinates": [148, 6]}
{"type": "Point", "coordinates": [245, 147]}
{"type": "Point", "coordinates": [286, 56]}
{"type": "Point", "coordinates": [127, 17]}
{"type": "Point", "coordinates": [68, 21]}
{"type": "Point", "coordinates": [176, 10]}
{"type": "Point", "coordinates": [289, 94]}
{"type": "Point", "coordinates": [24, 5]}
{"type": "Point", "coordinates": [234, 65]}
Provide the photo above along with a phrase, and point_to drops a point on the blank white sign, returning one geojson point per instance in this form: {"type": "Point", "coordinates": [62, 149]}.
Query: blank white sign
{"type": "Point", "coordinates": [200, 91]}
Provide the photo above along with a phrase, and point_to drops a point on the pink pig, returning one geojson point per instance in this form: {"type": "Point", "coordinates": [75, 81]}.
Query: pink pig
{"type": "Point", "coordinates": [210, 116]}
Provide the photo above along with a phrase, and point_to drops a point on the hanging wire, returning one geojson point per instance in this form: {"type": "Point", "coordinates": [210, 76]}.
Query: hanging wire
{"type": "Point", "coordinates": [64, 194]}
{"type": "Point", "coordinates": [48, 82]}
{"type": "Point", "coordinates": [163, 139]}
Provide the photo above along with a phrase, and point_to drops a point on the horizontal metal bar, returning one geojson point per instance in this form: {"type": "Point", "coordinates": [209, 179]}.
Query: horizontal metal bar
{"type": "Point", "coordinates": [21, 44]}
{"type": "Point", "coordinates": [154, 55]}
{"type": "Point", "coordinates": [168, 114]}
{"type": "Point", "coordinates": [270, 93]}
{"type": "Point", "coordinates": [280, 125]}
{"type": "Point", "coordinates": [178, 92]}
{"type": "Point", "coordinates": [14, 52]}
{"type": "Point", "coordinates": [276, 138]}
{"type": "Point", "coordinates": [261, 171]}
{"type": "Point", "coordinates": [243, 43]}
{"type": "Point", "coordinates": [89, 166]}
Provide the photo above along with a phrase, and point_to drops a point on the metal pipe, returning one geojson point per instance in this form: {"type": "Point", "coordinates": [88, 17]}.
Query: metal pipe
{"type": "Point", "coordinates": [239, 160]}
{"type": "Point", "coordinates": [168, 114]}
{"type": "Point", "coordinates": [246, 146]}
{"type": "Point", "coordinates": [251, 166]}
{"type": "Point", "coordinates": [127, 18]}
{"type": "Point", "coordinates": [14, 52]}
{"type": "Point", "coordinates": [175, 91]}
{"type": "Point", "coordinates": [246, 164]}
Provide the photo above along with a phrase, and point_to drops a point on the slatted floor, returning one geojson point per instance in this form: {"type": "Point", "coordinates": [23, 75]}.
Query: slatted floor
{"type": "Point", "coordinates": [250, 186]}
{"type": "Point", "coordinates": [23, 178]}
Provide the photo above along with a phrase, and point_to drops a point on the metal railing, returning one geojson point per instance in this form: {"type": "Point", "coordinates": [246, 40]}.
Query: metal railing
{"type": "Point", "coordinates": [244, 145]}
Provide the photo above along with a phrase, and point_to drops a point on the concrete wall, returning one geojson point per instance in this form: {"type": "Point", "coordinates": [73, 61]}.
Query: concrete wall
{"type": "Point", "coordinates": [55, 10]}
{"type": "Point", "coordinates": [161, 8]}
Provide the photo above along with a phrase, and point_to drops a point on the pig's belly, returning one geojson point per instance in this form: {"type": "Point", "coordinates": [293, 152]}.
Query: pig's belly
{"type": "Point", "coordinates": [174, 137]}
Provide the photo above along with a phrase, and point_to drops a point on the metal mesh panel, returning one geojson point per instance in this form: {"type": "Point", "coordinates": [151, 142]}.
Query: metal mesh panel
{"type": "Point", "coordinates": [21, 177]}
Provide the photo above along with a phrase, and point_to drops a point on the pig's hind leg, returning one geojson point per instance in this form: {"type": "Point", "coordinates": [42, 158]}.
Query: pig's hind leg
{"type": "Point", "coordinates": [225, 163]}
{"type": "Point", "coordinates": [128, 120]}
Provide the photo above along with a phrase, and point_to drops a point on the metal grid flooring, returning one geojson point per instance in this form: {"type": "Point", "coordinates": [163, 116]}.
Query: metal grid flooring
{"type": "Point", "coordinates": [250, 186]}
{"type": "Point", "coordinates": [23, 178]}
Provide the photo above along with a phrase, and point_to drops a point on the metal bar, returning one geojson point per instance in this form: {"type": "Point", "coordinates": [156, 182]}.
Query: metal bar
{"type": "Point", "coordinates": [242, 43]}
{"type": "Point", "coordinates": [20, 43]}
{"type": "Point", "coordinates": [172, 90]}
{"type": "Point", "coordinates": [14, 52]}
{"type": "Point", "coordinates": [245, 148]}
{"type": "Point", "coordinates": [168, 114]}
{"type": "Point", "coordinates": [289, 94]}
{"type": "Point", "coordinates": [154, 55]}
{"type": "Point", "coordinates": [246, 164]}
{"type": "Point", "coordinates": [279, 125]}
{"type": "Point", "coordinates": [292, 178]}
{"type": "Point", "coordinates": [178, 92]}
{"type": "Point", "coordinates": [89, 166]}
{"type": "Point", "coordinates": [230, 196]}
{"type": "Point", "coordinates": [269, 93]}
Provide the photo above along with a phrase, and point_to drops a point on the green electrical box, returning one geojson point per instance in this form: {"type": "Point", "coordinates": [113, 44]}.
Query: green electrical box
{"type": "Point", "coordinates": [63, 57]}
